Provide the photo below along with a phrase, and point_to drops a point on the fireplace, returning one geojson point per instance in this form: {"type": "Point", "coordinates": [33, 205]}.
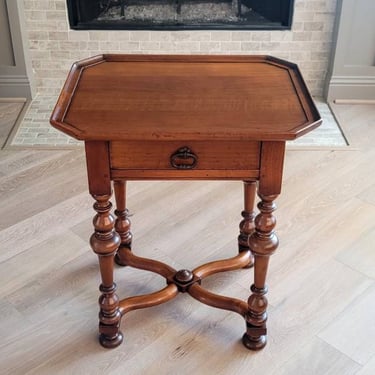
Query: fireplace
{"type": "Point", "coordinates": [180, 14]}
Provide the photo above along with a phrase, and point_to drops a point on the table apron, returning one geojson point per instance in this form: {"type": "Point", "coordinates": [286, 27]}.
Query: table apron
{"type": "Point", "coordinates": [143, 174]}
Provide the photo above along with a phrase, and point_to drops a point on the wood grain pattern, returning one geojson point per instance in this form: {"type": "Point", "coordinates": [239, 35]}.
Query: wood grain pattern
{"type": "Point", "coordinates": [9, 113]}
{"type": "Point", "coordinates": [142, 174]}
{"type": "Point", "coordinates": [210, 155]}
{"type": "Point", "coordinates": [185, 98]}
{"type": "Point", "coordinates": [149, 300]}
{"type": "Point", "coordinates": [21, 171]}
{"type": "Point", "coordinates": [271, 168]}
{"type": "Point", "coordinates": [98, 170]}
{"type": "Point", "coordinates": [351, 332]}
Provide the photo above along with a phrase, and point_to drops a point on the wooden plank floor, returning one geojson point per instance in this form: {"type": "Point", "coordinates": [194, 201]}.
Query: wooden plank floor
{"type": "Point", "coordinates": [322, 279]}
{"type": "Point", "coordinates": [9, 112]}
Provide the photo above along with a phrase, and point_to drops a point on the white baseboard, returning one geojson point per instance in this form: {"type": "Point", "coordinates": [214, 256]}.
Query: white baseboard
{"type": "Point", "coordinates": [17, 86]}
{"type": "Point", "coordinates": [351, 88]}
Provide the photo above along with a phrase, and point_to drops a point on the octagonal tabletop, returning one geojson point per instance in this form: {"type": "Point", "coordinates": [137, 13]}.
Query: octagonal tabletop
{"type": "Point", "coordinates": [146, 97]}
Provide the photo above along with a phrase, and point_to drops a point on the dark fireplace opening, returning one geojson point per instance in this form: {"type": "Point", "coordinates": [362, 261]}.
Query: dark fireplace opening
{"type": "Point", "coordinates": [180, 14]}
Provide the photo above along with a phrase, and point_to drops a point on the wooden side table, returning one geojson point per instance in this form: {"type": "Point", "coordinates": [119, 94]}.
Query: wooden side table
{"type": "Point", "coordinates": [184, 118]}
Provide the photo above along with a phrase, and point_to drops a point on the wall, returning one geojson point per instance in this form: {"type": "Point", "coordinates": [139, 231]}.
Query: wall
{"type": "Point", "coordinates": [353, 63]}
{"type": "Point", "coordinates": [53, 47]}
{"type": "Point", "coordinates": [14, 81]}
{"type": "Point", "coordinates": [6, 56]}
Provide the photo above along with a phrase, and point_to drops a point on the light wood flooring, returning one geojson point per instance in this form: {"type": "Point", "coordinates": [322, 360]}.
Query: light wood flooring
{"type": "Point", "coordinates": [321, 280]}
{"type": "Point", "coordinates": [9, 112]}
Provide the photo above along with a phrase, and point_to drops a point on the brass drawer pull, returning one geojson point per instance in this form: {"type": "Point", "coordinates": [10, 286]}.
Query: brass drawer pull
{"type": "Point", "coordinates": [184, 158]}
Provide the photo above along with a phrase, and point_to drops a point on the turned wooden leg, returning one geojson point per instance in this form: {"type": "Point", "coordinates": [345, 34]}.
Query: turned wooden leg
{"type": "Point", "coordinates": [263, 242]}
{"type": "Point", "coordinates": [122, 224]}
{"type": "Point", "coordinates": [247, 224]}
{"type": "Point", "coordinates": [104, 243]}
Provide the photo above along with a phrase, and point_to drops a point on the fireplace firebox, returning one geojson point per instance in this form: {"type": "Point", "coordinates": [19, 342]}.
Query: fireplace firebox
{"type": "Point", "coordinates": [180, 14]}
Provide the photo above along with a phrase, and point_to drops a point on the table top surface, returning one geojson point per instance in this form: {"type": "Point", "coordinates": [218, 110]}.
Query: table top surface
{"type": "Point", "coordinates": [152, 97]}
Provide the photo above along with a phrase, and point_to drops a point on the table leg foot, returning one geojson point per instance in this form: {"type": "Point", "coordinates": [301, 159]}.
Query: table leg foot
{"type": "Point", "coordinates": [254, 343]}
{"type": "Point", "coordinates": [109, 318]}
{"type": "Point", "coordinates": [111, 342]}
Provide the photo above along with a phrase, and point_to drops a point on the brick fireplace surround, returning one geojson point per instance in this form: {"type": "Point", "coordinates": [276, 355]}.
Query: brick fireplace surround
{"type": "Point", "coordinates": [53, 46]}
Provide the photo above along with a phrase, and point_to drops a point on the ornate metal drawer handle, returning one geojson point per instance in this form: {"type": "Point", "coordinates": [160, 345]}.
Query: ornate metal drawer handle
{"type": "Point", "coordinates": [184, 158]}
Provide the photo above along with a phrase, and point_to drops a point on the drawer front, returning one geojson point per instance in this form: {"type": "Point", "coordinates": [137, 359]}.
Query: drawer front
{"type": "Point", "coordinates": [185, 156]}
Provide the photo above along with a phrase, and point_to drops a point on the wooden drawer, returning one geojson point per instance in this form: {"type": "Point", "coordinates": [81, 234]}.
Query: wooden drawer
{"type": "Point", "coordinates": [185, 159]}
